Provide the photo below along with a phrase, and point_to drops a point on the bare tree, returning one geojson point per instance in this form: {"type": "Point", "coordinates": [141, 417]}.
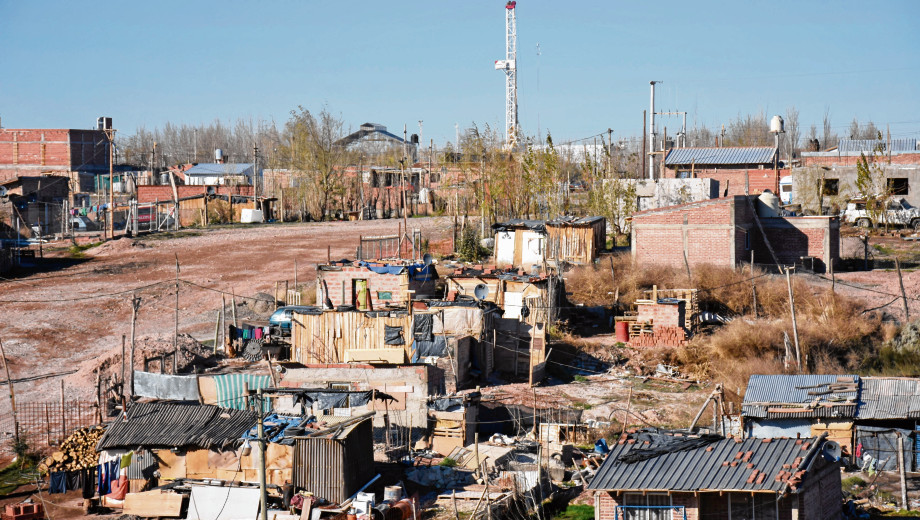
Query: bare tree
{"type": "Point", "coordinates": [828, 137]}
{"type": "Point", "coordinates": [317, 154]}
{"type": "Point", "coordinates": [791, 142]}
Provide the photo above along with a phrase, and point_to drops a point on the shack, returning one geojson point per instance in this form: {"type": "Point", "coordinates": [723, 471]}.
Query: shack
{"type": "Point", "coordinates": [520, 242]}
{"type": "Point", "coordinates": [659, 475]}
{"type": "Point", "coordinates": [801, 406]}
{"type": "Point", "coordinates": [335, 463]}
{"type": "Point", "coordinates": [889, 408]}
{"type": "Point", "coordinates": [575, 240]}
{"type": "Point", "coordinates": [369, 286]}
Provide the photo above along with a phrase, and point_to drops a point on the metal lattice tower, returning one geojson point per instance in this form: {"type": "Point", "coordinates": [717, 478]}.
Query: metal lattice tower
{"type": "Point", "coordinates": [509, 65]}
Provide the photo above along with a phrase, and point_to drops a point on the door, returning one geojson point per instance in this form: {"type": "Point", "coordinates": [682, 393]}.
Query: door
{"type": "Point", "coordinates": [361, 297]}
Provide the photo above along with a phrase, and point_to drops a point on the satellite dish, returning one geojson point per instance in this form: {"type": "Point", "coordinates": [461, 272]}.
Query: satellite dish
{"type": "Point", "coordinates": [832, 451]}
{"type": "Point", "coordinates": [427, 259]}
{"type": "Point", "coordinates": [481, 291]}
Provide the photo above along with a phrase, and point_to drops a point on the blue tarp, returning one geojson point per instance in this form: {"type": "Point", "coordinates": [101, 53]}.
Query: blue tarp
{"type": "Point", "coordinates": [418, 272]}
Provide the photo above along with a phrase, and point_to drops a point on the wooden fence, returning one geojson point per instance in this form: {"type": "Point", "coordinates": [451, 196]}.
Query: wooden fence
{"type": "Point", "coordinates": [46, 423]}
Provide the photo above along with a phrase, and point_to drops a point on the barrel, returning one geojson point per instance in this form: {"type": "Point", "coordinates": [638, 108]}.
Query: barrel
{"type": "Point", "coordinates": [392, 493]}
{"type": "Point", "coordinates": [622, 331]}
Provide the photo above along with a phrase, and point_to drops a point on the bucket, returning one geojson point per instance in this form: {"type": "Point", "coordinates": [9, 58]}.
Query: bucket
{"type": "Point", "coordinates": [392, 493]}
{"type": "Point", "coordinates": [622, 331]}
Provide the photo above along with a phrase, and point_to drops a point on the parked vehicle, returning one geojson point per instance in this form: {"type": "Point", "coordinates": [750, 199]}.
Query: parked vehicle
{"type": "Point", "coordinates": [894, 212]}
{"type": "Point", "coordinates": [282, 318]}
{"type": "Point", "coordinates": [81, 223]}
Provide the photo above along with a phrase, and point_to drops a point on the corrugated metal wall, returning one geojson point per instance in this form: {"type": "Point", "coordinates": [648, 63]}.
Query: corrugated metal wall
{"type": "Point", "coordinates": [335, 469]}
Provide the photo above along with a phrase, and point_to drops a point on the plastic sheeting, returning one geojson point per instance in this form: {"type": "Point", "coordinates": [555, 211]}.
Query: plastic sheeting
{"type": "Point", "coordinates": [230, 389]}
{"type": "Point", "coordinates": [223, 503]}
{"type": "Point", "coordinates": [393, 335]}
{"type": "Point", "coordinates": [166, 386]}
{"type": "Point", "coordinates": [459, 320]}
{"type": "Point", "coordinates": [882, 445]}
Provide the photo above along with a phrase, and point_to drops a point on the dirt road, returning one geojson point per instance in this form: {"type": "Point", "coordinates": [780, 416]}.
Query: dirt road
{"type": "Point", "coordinates": [64, 318]}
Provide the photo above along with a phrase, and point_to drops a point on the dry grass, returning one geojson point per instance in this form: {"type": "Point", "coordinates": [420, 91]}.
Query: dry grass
{"type": "Point", "coordinates": [834, 334]}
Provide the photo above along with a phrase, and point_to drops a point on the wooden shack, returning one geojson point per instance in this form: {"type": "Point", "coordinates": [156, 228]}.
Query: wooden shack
{"type": "Point", "coordinates": [575, 240]}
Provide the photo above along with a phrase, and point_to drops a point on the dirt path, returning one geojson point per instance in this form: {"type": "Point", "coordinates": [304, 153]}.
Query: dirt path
{"type": "Point", "coordinates": [58, 320]}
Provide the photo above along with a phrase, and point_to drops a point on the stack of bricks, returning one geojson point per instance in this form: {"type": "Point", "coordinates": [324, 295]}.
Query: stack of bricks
{"type": "Point", "coordinates": [667, 321]}
{"type": "Point", "coordinates": [661, 336]}
{"type": "Point", "coordinates": [23, 512]}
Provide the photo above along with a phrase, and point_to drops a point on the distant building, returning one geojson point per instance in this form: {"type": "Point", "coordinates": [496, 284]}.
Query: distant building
{"type": "Point", "coordinates": [76, 154]}
{"type": "Point", "coordinates": [724, 232]}
{"type": "Point", "coordinates": [735, 167]}
{"type": "Point", "coordinates": [219, 174]}
{"type": "Point", "coordinates": [373, 140]}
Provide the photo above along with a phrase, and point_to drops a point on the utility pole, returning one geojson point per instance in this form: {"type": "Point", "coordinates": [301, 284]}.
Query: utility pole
{"type": "Point", "coordinates": [404, 197]}
{"type": "Point", "coordinates": [420, 138]}
{"type": "Point", "coordinates": [9, 381]}
{"type": "Point", "coordinates": [255, 173]}
{"type": "Point", "coordinates": [263, 445]}
{"type": "Point", "coordinates": [795, 329]}
{"type": "Point", "coordinates": [644, 136]}
{"type": "Point", "coordinates": [651, 131]}
{"type": "Point", "coordinates": [110, 135]}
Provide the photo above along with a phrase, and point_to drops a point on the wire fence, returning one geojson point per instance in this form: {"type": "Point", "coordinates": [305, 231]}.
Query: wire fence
{"type": "Point", "coordinates": [46, 423]}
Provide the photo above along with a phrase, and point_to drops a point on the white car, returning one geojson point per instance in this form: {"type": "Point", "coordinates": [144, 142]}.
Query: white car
{"type": "Point", "coordinates": [897, 212]}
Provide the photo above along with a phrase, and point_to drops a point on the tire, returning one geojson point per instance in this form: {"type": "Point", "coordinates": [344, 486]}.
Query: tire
{"type": "Point", "coordinates": [863, 223]}
{"type": "Point", "coordinates": [915, 223]}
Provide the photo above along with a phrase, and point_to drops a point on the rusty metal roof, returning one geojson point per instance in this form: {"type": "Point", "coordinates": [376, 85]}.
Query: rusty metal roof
{"type": "Point", "coordinates": [753, 465]}
{"type": "Point", "coordinates": [889, 398]}
{"type": "Point", "coordinates": [169, 425]}
{"type": "Point", "coordinates": [730, 155]}
{"type": "Point", "coordinates": [801, 396]}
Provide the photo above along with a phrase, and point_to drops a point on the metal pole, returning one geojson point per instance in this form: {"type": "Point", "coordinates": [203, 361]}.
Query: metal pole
{"type": "Point", "coordinates": [9, 381]}
{"type": "Point", "coordinates": [651, 131]}
{"type": "Point", "coordinates": [897, 264]}
{"type": "Point", "coordinates": [176, 335]}
{"type": "Point", "coordinates": [111, 135]}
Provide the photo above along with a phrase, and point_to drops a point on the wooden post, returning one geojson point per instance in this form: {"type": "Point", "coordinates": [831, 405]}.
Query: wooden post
{"type": "Point", "coordinates": [276, 295]}
{"type": "Point", "coordinates": [135, 305]}
{"type": "Point", "coordinates": [233, 308]}
{"type": "Point", "coordinates": [833, 279]}
{"type": "Point", "coordinates": [897, 264]}
{"type": "Point", "coordinates": [295, 273]}
{"type": "Point", "coordinates": [904, 504]}
{"type": "Point", "coordinates": [99, 394]}
{"type": "Point", "coordinates": [328, 255]}
{"type": "Point", "coordinates": [216, 332]}
{"type": "Point", "coordinates": [63, 417]}
{"type": "Point", "coordinates": [9, 381]}
{"type": "Point", "coordinates": [123, 356]}
{"type": "Point", "coordinates": [753, 284]}
{"type": "Point", "coordinates": [386, 423]}
{"type": "Point", "coordinates": [286, 289]}
{"type": "Point", "coordinates": [476, 451]}
{"type": "Point", "coordinates": [47, 425]}
{"type": "Point", "coordinates": [176, 335]}
{"type": "Point", "coordinates": [795, 329]}
{"type": "Point", "coordinates": [628, 403]}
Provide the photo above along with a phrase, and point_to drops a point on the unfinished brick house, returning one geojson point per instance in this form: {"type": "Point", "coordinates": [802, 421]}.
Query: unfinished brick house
{"type": "Point", "coordinates": [76, 154]}
{"type": "Point", "coordinates": [372, 285]}
{"type": "Point", "coordinates": [724, 231]}
{"type": "Point", "coordinates": [659, 476]}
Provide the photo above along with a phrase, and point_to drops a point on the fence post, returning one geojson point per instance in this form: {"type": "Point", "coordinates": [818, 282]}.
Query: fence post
{"type": "Point", "coordinates": [63, 417]}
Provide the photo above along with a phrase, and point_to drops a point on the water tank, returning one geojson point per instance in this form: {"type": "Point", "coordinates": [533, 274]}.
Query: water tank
{"type": "Point", "coordinates": [768, 206]}
{"type": "Point", "coordinates": [218, 155]}
{"type": "Point", "coordinates": [776, 125]}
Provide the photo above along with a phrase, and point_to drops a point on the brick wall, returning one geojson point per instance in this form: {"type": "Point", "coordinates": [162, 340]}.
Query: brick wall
{"type": "Point", "coordinates": [395, 284]}
{"type": "Point", "coordinates": [663, 314]}
{"type": "Point", "coordinates": [733, 180]}
{"type": "Point", "coordinates": [30, 151]}
{"type": "Point", "coordinates": [850, 160]}
{"type": "Point", "coordinates": [705, 228]}
{"type": "Point", "coordinates": [821, 496]}
{"type": "Point", "coordinates": [795, 237]}
{"type": "Point", "coordinates": [146, 194]}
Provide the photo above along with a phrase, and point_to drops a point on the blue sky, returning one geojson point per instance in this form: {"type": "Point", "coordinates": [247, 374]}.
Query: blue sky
{"type": "Point", "coordinates": [62, 64]}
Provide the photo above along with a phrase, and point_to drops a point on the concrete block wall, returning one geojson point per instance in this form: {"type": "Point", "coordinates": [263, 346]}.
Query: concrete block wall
{"type": "Point", "coordinates": [395, 284]}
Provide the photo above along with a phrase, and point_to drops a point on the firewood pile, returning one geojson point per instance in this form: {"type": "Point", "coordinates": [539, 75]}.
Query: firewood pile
{"type": "Point", "coordinates": [78, 451]}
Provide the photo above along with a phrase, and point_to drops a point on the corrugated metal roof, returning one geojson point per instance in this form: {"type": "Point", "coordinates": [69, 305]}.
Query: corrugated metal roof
{"type": "Point", "coordinates": [721, 156]}
{"type": "Point", "coordinates": [720, 466]}
{"type": "Point", "coordinates": [220, 169]}
{"type": "Point", "coordinates": [168, 425]}
{"type": "Point", "coordinates": [812, 392]}
{"type": "Point", "coordinates": [869, 145]}
{"type": "Point", "coordinates": [889, 398]}
{"type": "Point", "coordinates": [574, 221]}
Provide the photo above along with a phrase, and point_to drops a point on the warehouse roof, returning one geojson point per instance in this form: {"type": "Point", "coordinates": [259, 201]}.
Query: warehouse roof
{"type": "Point", "coordinates": [801, 396]}
{"type": "Point", "coordinates": [730, 155]}
{"type": "Point", "coordinates": [650, 461]}
{"type": "Point", "coordinates": [168, 425]}
{"type": "Point", "coordinates": [889, 398]}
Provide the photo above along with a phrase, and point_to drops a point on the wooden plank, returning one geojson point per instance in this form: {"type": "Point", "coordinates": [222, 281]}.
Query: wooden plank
{"type": "Point", "coordinates": [172, 465]}
{"type": "Point", "coordinates": [153, 504]}
{"type": "Point", "coordinates": [393, 356]}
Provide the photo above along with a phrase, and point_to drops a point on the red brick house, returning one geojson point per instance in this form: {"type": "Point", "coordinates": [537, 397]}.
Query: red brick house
{"type": "Point", "coordinates": [662, 476]}
{"type": "Point", "coordinates": [735, 167]}
{"type": "Point", "coordinates": [724, 231]}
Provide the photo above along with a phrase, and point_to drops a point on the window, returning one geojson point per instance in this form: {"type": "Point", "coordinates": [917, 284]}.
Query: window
{"type": "Point", "coordinates": [738, 506]}
{"type": "Point", "coordinates": [831, 187]}
{"type": "Point", "coordinates": [683, 174]}
{"type": "Point", "coordinates": [898, 186]}
{"type": "Point", "coordinates": [651, 506]}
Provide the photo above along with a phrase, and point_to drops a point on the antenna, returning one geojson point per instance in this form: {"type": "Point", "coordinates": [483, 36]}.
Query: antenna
{"type": "Point", "coordinates": [509, 65]}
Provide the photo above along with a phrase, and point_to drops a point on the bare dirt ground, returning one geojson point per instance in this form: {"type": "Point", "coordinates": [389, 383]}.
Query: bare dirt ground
{"type": "Point", "coordinates": [69, 318]}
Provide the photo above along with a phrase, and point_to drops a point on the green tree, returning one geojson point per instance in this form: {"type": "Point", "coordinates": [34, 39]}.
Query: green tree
{"type": "Point", "coordinates": [871, 184]}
